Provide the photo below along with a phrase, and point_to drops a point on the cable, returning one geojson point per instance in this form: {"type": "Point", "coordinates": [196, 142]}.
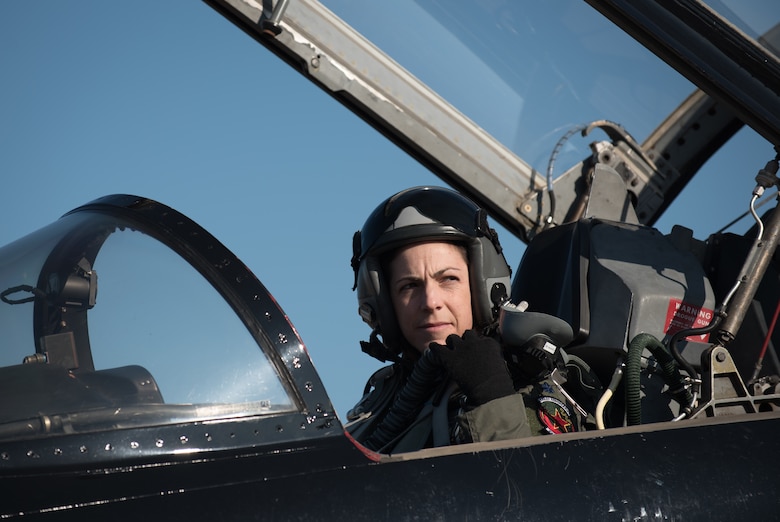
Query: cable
{"type": "Point", "coordinates": [551, 163]}
{"type": "Point", "coordinates": [741, 216]}
{"type": "Point", "coordinates": [617, 376]}
{"type": "Point", "coordinates": [669, 371]}
{"type": "Point", "coordinates": [768, 338]}
{"type": "Point", "coordinates": [755, 216]}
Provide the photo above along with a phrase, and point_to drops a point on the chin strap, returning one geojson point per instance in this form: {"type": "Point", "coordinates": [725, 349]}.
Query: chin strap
{"type": "Point", "coordinates": [376, 349]}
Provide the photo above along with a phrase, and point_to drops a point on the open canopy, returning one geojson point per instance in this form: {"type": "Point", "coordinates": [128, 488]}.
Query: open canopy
{"type": "Point", "coordinates": [494, 97]}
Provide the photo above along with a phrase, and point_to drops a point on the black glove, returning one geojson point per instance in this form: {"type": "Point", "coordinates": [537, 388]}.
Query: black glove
{"type": "Point", "coordinates": [477, 365]}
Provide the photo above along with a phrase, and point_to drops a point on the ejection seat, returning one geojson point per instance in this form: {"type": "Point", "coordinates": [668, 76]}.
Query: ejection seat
{"type": "Point", "coordinates": [611, 279]}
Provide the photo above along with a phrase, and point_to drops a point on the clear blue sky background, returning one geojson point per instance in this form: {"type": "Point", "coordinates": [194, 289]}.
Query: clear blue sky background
{"type": "Point", "coordinates": [168, 100]}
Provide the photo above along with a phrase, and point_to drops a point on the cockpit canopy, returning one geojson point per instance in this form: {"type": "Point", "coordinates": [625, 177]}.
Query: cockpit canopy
{"type": "Point", "coordinates": [126, 313]}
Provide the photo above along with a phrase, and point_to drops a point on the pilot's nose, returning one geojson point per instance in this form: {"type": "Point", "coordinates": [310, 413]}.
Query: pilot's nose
{"type": "Point", "coordinates": [431, 297]}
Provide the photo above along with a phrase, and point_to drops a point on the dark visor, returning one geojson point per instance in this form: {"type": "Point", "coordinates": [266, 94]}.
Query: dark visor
{"type": "Point", "coordinates": [449, 212]}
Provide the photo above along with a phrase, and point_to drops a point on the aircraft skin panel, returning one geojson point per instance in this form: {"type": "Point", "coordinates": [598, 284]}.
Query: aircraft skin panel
{"type": "Point", "coordinates": [628, 474]}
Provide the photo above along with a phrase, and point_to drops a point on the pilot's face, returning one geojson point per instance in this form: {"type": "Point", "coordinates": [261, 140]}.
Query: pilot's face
{"type": "Point", "coordinates": [429, 287]}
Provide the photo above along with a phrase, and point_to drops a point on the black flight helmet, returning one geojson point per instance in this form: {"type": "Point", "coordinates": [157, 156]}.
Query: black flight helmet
{"type": "Point", "coordinates": [420, 215]}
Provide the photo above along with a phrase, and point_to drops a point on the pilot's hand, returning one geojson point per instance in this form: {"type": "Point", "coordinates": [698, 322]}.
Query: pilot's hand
{"type": "Point", "coordinates": [476, 363]}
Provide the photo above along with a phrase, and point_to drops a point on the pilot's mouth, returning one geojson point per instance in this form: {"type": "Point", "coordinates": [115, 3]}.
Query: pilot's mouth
{"type": "Point", "coordinates": [435, 326]}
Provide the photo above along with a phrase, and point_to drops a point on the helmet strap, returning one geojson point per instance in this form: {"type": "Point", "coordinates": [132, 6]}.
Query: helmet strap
{"type": "Point", "coordinates": [355, 261]}
{"type": "Point", "coordinates": [376, 349]}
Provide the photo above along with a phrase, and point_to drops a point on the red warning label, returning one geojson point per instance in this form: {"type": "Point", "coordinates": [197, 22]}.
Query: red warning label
{"type": "Point", "coordinates": [682, 316]}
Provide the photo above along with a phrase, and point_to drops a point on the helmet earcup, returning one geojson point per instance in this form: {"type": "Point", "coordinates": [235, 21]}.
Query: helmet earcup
{"type": "Point", "coordinates": [374, 303]}
{"type": "Point", "coordinates": [368, 288]}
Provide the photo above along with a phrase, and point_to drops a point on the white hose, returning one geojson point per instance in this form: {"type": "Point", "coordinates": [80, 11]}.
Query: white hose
{"type": "Point", "coordinates": [607, 395]}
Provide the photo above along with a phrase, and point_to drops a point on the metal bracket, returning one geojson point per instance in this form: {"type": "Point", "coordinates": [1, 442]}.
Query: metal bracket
{"type": "Point", "coordinates": [271, 24]}
{"type": "Point", "coordinates": [723, 391]}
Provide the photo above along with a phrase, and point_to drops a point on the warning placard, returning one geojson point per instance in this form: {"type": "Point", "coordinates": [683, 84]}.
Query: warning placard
{"type": "Point", "coordinates": [682, 316]}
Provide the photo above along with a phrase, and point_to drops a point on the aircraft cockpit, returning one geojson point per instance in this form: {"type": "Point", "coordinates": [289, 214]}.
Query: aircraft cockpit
{"type": "Point", "coordinates": [144, 369]}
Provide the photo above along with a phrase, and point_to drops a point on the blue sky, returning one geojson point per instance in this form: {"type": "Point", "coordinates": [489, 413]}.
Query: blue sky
{"type": "Point", "coordinates": [170, 101]}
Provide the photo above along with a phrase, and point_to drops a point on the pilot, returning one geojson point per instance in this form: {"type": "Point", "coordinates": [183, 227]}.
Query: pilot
{"type": "Point", "coordinates": [431, 278]}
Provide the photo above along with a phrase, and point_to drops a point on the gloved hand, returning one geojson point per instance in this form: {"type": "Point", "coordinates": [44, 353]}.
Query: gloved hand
{"type": "Point", "coordinates": [477, 365]}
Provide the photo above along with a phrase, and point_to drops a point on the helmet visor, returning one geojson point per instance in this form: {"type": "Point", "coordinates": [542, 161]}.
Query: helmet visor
{"type": "Point", "coordinates": [421, 214]}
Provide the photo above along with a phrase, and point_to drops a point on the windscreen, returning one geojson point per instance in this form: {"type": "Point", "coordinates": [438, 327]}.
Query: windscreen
{"type": "Point", "coordinates": [103, 326]}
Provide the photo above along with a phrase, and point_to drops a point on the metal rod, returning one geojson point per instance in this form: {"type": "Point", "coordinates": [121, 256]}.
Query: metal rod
{"type": "Point", "coordinates": [753, 272]}
{"type": "Point", "coordinates": [278, 12]}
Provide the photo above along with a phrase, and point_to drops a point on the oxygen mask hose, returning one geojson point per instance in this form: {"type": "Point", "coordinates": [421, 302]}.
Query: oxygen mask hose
{"type": "Point", "coordinates": [425, 377]}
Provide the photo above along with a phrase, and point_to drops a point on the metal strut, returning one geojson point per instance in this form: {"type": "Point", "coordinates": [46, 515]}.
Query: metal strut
{"type": "Point", "coordinates": [757, 260]}
{"type": "Point", "coordinates": [723, 391]}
